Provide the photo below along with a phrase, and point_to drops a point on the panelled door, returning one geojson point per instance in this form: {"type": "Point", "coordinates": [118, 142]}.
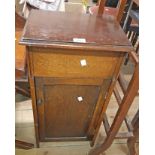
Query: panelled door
{"type": "Point", "coordinates": [66, 106]}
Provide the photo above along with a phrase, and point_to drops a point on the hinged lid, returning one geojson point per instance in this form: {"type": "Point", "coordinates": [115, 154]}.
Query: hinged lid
{"type": "Point", "coordinates": [60, 27]}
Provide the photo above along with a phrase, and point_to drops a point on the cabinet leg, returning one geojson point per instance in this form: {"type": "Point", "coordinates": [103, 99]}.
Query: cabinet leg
{"type": "Point", "coordinates": [37, 144]}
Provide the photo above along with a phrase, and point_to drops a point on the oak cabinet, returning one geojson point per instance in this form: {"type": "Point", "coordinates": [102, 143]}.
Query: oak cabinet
{"type": "Point", "coordinates": [73, 63]}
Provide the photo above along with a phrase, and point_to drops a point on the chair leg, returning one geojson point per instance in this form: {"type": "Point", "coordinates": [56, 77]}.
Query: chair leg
{"type": "Point", "coordinates": [22, 91]}
{"type": "Point", "coordinates": [131, 146]}
{"type": "Point", "coordinates": [23, 145]}
{"type": "Point", "coordinates": [121, 113]}
{"type": "Point", "coordinates": [22, 87]}
{"type": "Point", "coordinates": [132, 141]}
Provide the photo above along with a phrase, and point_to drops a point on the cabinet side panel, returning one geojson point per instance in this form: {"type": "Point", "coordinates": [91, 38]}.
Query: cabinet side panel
{"type": "Point", "coordinates": [33, 95]}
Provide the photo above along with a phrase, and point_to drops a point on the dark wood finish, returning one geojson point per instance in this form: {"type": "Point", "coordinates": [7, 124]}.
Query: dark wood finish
{"type": "Point", "coordinates": [24, 145]}
{"type": "Point", "coordinates": [71, 83]}
{"type": "Point", "coordinates": [22, 87]}
{"type": "Point", "coordinates": [86, 26]}
{"type": "Point", "coordinates": [64, 104]}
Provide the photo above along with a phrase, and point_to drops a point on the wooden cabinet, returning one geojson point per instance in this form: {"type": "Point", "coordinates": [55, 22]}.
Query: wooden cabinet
{"type": "Point", "coordinates": [73, 61]}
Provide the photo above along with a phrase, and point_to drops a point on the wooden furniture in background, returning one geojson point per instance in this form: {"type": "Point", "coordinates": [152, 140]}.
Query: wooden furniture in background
{"type": "Point", "coordinates": [131, 27]}
{"type": "Point", "coordinates": [72, 73]}
{"type": "Point", "coordinates": [132, 126]}
{"type": "Point", "coordinates": [100, 8]}
{"type": "Point", "coordinates": [130, 92]}
{"type": "Point", "coordinates": [23, 145]}
{"type": "Point", "coordinates": [19, 21]}
{"type": "Point", "coordinates": [132, 140]}
{"type": "Point", "coordinates": [21, 76]}
{"type": "Point", "coordinates": [131, 13]}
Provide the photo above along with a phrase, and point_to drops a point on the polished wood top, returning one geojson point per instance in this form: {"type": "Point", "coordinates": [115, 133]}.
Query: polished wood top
{"type": "Point", "coordinates": [44, 27]}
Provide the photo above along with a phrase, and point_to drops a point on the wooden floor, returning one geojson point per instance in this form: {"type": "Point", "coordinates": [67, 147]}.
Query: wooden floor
{"type": "Point", "coordinates": [25, 131]}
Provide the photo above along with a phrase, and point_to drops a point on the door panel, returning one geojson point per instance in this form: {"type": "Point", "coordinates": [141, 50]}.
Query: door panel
{"type": "Point", "coordinates": [67, 109]}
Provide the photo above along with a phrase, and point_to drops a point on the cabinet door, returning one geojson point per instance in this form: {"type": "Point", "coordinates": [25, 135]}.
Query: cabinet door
{"type": "Point", "coordinates": [66, 107]}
